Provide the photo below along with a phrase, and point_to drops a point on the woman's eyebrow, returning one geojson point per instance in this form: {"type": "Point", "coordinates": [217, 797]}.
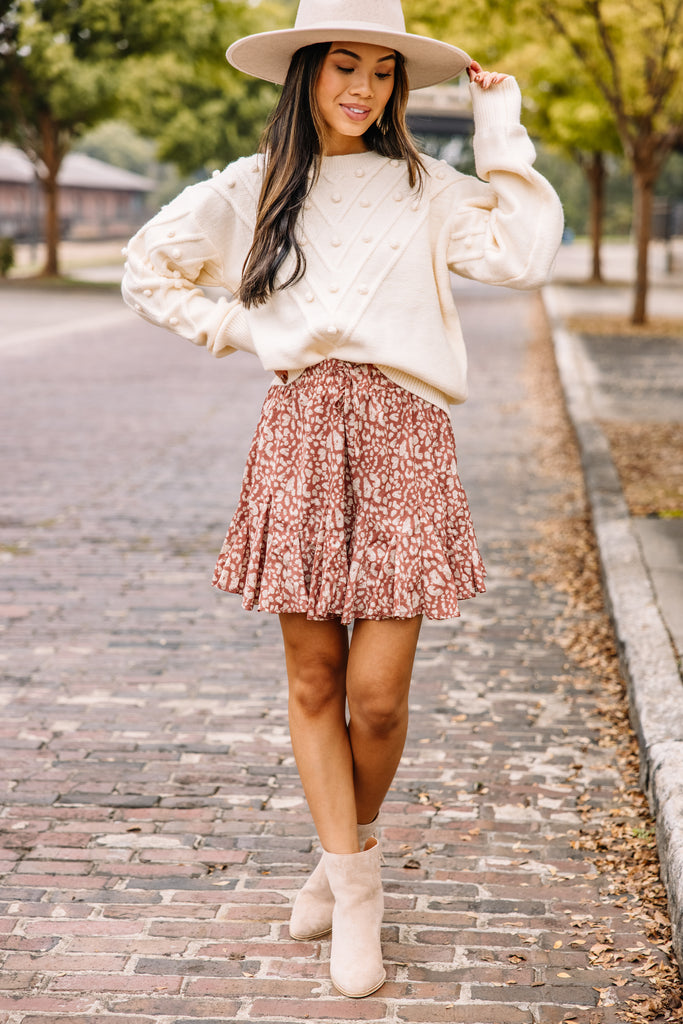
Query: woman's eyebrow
{"type": "Point", "coordinates": [350, 53]}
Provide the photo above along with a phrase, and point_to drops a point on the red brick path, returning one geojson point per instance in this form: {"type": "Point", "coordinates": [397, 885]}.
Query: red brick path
{"type": "Point", "coordinates": [154, 829]}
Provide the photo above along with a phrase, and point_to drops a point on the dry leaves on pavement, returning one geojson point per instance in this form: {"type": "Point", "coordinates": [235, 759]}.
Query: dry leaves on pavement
{"type": "Point", "coordinates": [649, 460]}
{"type": "Point", "coordinates": [621, 837]}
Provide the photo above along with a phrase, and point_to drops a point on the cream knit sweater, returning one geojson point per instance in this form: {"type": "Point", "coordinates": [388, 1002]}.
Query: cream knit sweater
{"type": "Point", "coordinates": [378, 256]}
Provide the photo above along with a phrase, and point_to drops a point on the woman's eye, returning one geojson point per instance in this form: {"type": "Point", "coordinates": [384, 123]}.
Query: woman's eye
{"type": "Point", "coordinates": [345, 71]}
{"type": "Point", "coordinates": [383, 74]}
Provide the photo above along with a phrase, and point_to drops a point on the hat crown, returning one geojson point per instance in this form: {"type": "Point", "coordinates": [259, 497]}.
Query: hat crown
{"type": "Point", "coordinates": [380, 22]}
{"type": "Point", "coordinates": [318, 13]}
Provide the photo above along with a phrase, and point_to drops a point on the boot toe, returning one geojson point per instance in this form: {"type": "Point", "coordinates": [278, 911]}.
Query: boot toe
{"type": "Point", "coordinates": [309, 929]}
{"type": "Point", "coordinates": [355, 986]}
{"type": "Point", "coordinates": [311, 916]}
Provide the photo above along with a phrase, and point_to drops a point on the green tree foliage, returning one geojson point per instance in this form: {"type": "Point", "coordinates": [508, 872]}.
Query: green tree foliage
{"type": "Point", "coordinates": [629, 51]}
{"type": "Point", "coordinates": [201, 112]}
{"type": "Point", "coordinates": [632, 54]}
{"type": "Point", "coordinates": [562, 107]}
{"type": "Point", "coordinates": [55, 81]}
{"type": "Point", "coordinates": [571, 117]}
{"type": "Point", "coordinates": [65, 65]}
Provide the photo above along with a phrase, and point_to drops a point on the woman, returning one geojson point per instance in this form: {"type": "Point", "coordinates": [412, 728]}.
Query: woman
{"type": "Point", "coordinates": [337, 241]}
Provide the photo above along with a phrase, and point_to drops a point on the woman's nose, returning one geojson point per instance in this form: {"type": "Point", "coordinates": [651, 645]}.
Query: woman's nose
{"type": "Point", "coordinates": [361, 86]}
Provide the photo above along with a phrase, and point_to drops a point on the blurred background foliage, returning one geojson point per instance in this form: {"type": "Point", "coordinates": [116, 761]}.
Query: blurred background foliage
{"type": "Point", "coordinates": [66, 66]}
{"type": "Point", "coordinates": [201, 112]}
{"type": "Point", "coordinates": [600, 78]}
{"type": "Point", "coordinates": [144, 84]}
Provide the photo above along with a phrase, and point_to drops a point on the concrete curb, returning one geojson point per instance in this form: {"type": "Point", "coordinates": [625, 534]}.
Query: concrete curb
{"type": "Point", "coordinates": [647, 657]}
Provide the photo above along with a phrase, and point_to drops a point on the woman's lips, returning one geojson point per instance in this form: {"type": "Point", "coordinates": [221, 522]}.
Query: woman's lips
{"type": "Point", "coordinates": [356, 113]}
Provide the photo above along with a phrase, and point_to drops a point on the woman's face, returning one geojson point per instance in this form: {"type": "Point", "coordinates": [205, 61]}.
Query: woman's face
{"type": "Point", "coordinates": [353, 88]}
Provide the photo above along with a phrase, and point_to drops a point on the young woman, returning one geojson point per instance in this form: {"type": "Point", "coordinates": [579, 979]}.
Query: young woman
{"type": "Point", "coordinates": [337, 241]}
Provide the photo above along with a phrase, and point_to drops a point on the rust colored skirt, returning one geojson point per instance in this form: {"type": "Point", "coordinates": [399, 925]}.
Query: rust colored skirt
{"type": "Point", "coordinates": [351, 505]}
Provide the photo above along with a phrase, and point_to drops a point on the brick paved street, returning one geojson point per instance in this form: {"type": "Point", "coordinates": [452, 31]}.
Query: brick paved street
{"type": "Point", "coordinates": [154, 830]}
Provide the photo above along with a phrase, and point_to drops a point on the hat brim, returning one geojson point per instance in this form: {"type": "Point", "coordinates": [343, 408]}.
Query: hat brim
{"type": "Point", "coordinates": [267, 55]}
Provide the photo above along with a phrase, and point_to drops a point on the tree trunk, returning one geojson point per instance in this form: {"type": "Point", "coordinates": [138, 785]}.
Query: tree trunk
{"type": "Point", "coordinates": [596, 174]}
{"type": "Point", "coordinates": [51, 191]}
{"type": "Point", "coordinates": [643, 183]}
{"type": "Point", "coordinates": [52, 159]}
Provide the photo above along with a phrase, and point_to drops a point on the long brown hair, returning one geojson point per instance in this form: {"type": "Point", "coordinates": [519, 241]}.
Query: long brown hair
{"type": "Point", "coordinates": [292, 143]}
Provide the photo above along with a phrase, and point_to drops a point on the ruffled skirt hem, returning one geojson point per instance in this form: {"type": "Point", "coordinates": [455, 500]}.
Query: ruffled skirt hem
{"type": "Point", "coordinates": [351, 505]}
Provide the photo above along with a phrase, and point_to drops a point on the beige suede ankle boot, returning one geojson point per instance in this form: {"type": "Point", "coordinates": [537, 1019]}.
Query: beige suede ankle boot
{"type": "Point", "coordinates": [356, 966]}
{"type": "Point", "coordinates": [312, 911]}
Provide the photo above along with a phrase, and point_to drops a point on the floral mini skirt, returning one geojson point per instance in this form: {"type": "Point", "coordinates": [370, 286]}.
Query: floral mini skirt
{"type": "Point", "coordinates": [351, 506]}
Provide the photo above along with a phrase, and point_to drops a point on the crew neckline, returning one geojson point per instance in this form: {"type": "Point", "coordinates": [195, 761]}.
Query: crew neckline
{"type": "Point", "coordinates": [345, 162]}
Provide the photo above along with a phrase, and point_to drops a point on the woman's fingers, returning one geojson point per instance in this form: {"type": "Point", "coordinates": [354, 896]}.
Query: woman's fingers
{"type": "Point", "coordinates": [484, 79]}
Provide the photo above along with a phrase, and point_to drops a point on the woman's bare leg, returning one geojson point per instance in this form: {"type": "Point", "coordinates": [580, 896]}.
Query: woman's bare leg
{"type": "Point", "coordinates": [346, 771]}
{"type": "Point", "coordinates": [378, 674]}
{"type": "Point", "coordinates": [316, 655]}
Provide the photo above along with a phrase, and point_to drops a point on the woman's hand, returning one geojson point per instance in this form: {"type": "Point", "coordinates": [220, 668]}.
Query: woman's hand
{"type": "Point", "coordinates": [484, 79]}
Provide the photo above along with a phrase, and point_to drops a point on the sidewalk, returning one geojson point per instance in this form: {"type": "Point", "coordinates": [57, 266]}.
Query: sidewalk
{"type": "Point", "coordinates": [612, 381]}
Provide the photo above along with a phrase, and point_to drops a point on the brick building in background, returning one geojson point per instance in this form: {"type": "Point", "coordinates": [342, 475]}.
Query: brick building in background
{"type": "Point", "coordinates": [96, 200]}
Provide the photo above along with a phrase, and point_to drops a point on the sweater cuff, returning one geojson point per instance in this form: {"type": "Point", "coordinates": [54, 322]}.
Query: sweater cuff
{"type": "Point", "coordinates": [498, 107]}
{"type": "Point", "coordinates": [501, 143]}
{"type": "Point", "coordinates": [233, 333]}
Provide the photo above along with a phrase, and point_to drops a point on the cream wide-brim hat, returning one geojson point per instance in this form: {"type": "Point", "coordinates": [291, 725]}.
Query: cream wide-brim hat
{"type": "Point", "coordinates": [267, 55]}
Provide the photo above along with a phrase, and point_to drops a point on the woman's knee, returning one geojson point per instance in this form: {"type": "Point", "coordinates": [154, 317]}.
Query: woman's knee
{"type": "Point", "coordinates": [315, 692]}
{"type": "Point", "coordinates": [317, 683]}
{"type": "Point", "coordinates": [379, 715]}
{"type": "Point", "coordinates": [316, 664]}
{"type": "Point", "coordinates": [378, 676]}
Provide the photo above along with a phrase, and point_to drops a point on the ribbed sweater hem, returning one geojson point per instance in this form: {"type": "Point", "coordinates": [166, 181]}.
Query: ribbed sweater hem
{"type": "Point", "coordinates": [413, 384]}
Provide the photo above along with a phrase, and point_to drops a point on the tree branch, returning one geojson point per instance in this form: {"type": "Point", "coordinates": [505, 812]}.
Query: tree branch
{"type": "Point", "coordinates": [664, 77]}
{"type": "Point", "coordinates": [610, 90]}
{"type": "Point", "coordinates": [594, 9]}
